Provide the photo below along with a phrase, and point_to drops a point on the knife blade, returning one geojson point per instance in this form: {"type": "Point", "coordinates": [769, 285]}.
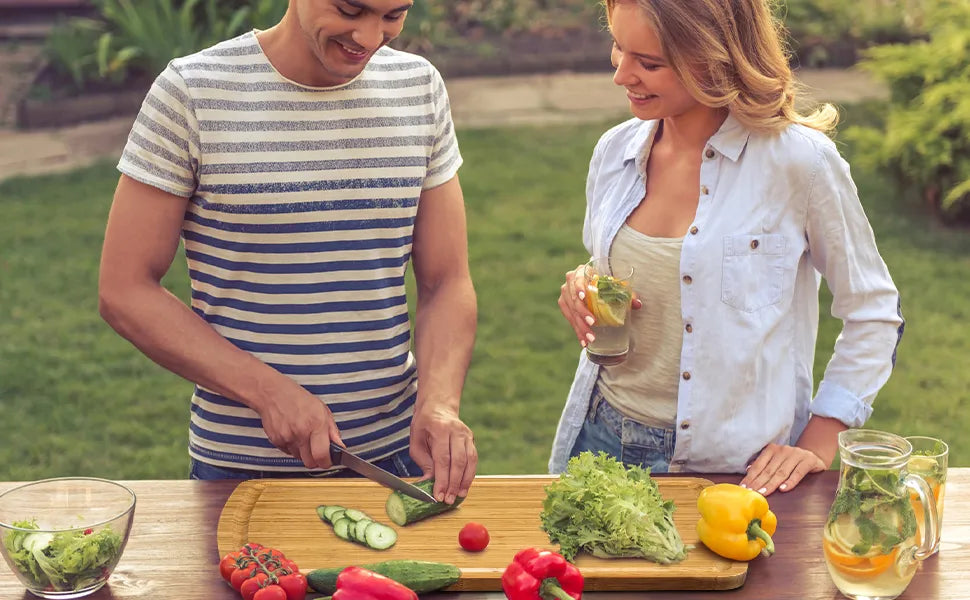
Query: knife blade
{"type": "Point", "coordinates": [341, 456]}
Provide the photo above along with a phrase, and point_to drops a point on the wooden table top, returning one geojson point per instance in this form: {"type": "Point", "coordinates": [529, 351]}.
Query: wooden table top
{"type": "Point", "coordinates": [171, 552]}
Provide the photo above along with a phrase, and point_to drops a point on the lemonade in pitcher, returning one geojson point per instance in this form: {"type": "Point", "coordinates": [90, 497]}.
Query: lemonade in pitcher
{"type": "Point", "coordinates": [870, 539]}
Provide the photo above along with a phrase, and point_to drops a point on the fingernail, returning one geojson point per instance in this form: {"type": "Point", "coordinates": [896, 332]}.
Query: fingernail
{"type": "Point", "coordinates": [746, 468]}
{"type": "Point", "coordinates": [762, 490]}
{"type": "Point", "coordinates": [590, 320]}
{"type": "Point", "coordinates": [783, 487]}
{"type": "Point", "coordinates": [582, 343]}
{"type": "Point", "coordinates": [582, 295]}
{"type": "Point", "coordinates": [590, 337]}
{"type": "Point", "coordinates": [744, 485]}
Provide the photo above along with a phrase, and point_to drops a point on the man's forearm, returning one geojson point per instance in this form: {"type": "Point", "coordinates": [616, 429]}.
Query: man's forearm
{"type": "Point", "coordinates": [444, 337]}
{"type": "Point", "coordinates": [169, 333]}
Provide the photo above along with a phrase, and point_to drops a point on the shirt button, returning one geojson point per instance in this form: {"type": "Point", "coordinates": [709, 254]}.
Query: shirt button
{"type": "Point", "coordinates": [709, 153]}
{"type": "Point", "coordinates": [685, 425]}
{"type": "Point", "coordinates": [704, 190]}
{"type": "Point", "coordinates": [694, 230]}
{"type": "Point", "coordinates": [686, 375]}
{"type": "Point", "coordinates": [689, 328]}
{"type": "Point", "coordinates": [754, 244]}
{"type": "Point", "coordinates": [687, 279]}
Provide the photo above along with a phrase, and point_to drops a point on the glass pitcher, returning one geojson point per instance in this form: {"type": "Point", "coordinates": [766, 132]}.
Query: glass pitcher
{"type": "Point", "coordinates": [870, 539]}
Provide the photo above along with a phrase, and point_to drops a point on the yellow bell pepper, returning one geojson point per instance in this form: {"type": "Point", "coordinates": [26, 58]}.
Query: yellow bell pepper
{"type": "Point", "coordinates": [735, 522]}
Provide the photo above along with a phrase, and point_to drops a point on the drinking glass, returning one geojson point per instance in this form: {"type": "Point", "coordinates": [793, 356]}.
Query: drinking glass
{"type": "Point", "coordinates": [609, 294]}
{"type": "Point", "coordinates": [929, 460]}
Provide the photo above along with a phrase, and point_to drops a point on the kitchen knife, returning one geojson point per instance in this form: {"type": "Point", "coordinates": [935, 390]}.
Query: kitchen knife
{"type": "Point", "coordinates": [340, 456]}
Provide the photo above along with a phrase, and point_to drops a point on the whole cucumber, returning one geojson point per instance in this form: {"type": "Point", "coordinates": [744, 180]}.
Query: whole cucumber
{"type": "Point", "coordinates": [419, 575]}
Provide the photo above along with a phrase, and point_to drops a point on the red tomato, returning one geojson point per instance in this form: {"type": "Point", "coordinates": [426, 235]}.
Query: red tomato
{"type": "Point", "coordinates": [227, 565]}
{"type": "Point", "coordinates": [294, 585]}
{"type": "Point", "coordinates": [289, 564]}
{"type": "Point", "coordinates": [249, 587]}
{"type": "Point", "coordinates": [473, 537]}
{"type": "Point", "coordinates": [270, 592]}
{"type": "Point", "coordinates": [240, 575]}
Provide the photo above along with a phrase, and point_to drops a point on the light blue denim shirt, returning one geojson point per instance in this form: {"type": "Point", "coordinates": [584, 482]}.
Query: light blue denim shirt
{"type": "Point", "coordinates": [775, 214]}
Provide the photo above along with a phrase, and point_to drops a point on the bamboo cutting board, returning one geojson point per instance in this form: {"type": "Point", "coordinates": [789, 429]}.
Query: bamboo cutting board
{"type": "Point", "coordinates": [281, 513]}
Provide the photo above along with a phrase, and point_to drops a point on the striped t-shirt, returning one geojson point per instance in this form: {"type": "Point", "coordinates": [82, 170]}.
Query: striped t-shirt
{"type": "Point", "coordinates": [298, 229]}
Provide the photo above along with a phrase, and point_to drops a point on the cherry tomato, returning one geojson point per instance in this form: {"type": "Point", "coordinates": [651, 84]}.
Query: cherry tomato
{"type": "Point", "coordinates": [270, 592]}
{"type": "Point", "coordinates": [227, 565]}
{"type": "Point", "coordinates": [289, 564]}
{"type": "Point", "coordinates": [294, 585]}
{"type": "Point", "coordinates": [240, 575]}
{"type": "Point", "coordinates": [252, 585]}
{"type": "Point", "coordinates": [473, 537]}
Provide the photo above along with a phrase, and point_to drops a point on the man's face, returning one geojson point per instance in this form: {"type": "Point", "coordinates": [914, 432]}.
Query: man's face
{"type": "Point", "coordinates": [344, 34]}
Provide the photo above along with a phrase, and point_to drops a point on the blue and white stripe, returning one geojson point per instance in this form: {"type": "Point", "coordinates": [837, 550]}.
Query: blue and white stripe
{"type": "Point", "coordinates": [298, 229]}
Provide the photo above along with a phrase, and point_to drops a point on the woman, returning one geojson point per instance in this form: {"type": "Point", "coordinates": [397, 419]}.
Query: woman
{"type": "Point", "coordinates": [730, 203]}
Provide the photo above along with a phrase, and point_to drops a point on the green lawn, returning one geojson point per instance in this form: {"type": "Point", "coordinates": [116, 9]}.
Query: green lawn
{"type": "Point", "coordinates": [79, 400]}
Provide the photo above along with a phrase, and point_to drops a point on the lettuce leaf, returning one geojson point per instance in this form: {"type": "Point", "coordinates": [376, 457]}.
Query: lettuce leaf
{"type": "Point", "coordinates": [65, 561]}
{"type": "Point", "coordinates": [610, 510]}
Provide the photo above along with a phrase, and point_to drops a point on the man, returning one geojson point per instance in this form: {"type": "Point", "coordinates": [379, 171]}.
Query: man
{"type": "Point", "coordinates": [303, 166]}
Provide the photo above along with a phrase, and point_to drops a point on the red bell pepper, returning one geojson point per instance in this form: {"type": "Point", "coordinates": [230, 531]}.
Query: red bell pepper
{"type": "Point", "coordinates": [355, 583]}
{"type": "Point", "coordinates": [536, 574]}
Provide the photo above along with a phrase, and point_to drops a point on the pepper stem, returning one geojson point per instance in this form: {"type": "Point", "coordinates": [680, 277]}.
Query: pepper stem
{"type": "Point", "coordinates": [755, 532]}
{"type": "Point", "coordinates": [550, 589]}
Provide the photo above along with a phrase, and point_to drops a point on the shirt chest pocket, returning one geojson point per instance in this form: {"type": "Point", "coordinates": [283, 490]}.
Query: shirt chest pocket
{"type": "Point", "coordinates": [753, 270]}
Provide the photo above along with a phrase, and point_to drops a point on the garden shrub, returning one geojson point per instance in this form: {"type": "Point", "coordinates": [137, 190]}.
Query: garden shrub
{"type": "Point", "coordinates": [925, 144]}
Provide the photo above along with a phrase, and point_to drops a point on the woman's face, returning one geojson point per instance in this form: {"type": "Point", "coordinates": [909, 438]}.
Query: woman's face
{"type": "Point", "coordinates": [654, 91]}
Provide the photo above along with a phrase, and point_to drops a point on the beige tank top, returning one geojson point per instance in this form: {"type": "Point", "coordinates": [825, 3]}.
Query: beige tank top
{"type": "Point", "coordinates": [644, 386]}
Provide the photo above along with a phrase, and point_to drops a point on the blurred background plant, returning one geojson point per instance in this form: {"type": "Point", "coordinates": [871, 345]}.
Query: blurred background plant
{"type": "Point", "coordinates": [925, 142]}
{"type": "Point", "coordinates": [827, 33]}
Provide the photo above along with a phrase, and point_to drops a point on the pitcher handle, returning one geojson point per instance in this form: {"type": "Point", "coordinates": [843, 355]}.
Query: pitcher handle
{"type": "Point", "coordinates": [931, 520]}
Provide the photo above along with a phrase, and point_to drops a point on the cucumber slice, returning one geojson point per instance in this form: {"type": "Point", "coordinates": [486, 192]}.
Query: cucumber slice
{"type": "Point", "coordinates": [379, 537]}
{"type": "Point", "coordinates": [340, 527]}
{"type": "Point", "coordinates": [359, 528]}
{"type": "Point", "coordinates": [337, 514]}
{"type": "Point", "coordinates": [328, 512]}
{"type": "Point", "coordinates": [403, 510]}
{"type": "Point", "coordinates": [355, 515]}
{"type": "Point", "coordinates": [321, 512]}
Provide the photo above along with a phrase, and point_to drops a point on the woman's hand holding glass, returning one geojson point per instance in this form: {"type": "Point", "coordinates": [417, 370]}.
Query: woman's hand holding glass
{"type": "Point", "coordinates": [572, 304]}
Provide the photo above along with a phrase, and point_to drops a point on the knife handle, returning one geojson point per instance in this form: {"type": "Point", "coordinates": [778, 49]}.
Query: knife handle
{"type": "Point", "coordinates": [336, 452]}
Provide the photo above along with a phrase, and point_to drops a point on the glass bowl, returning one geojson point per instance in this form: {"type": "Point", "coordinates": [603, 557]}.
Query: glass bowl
{"type": "Point", "coordinates": [63, 537]}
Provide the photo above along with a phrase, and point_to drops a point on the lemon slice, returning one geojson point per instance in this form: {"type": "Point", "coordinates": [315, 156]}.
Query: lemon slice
{"type": "Point", "coordinates": [605, 313]}
{"type": "Point", "coordinates": [844, 532]}
{"type": "Point", "coordinates": [922, 464]}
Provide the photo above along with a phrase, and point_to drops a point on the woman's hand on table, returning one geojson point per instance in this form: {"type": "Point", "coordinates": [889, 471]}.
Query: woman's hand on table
{"type": "Point", "coordinates": [781, 468]}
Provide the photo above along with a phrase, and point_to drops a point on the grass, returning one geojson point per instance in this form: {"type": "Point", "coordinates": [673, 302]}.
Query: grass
{"type": "Point", "coordinates": [79, 400]}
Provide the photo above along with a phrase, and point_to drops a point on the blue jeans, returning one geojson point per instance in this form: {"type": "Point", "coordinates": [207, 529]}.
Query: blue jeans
{"type": "Point", "coordinates": [633, 443]}
{"type": "Point", "coordinates": [401, 464]}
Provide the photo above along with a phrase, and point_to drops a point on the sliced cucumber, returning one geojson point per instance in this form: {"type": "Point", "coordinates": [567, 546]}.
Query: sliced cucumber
{"type": "Point", "coordinates": [379, 537]}
{"type": "Point", "coordinates": [359, 528]}
{"type": "Point", "coordinates": [355, 515]}
{"type": "Point", "coordinates": [403, 510]}
{"type": "Point", "coordinates": [328, 512]}
{"type": "Point", "coordinates": [340, 527]}
{"type": "Point", "coordinates": [337, 514]}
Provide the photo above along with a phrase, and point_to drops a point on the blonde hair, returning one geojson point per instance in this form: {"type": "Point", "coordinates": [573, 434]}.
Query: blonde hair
{"type": "Point", "coordinates": [729, 53]}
